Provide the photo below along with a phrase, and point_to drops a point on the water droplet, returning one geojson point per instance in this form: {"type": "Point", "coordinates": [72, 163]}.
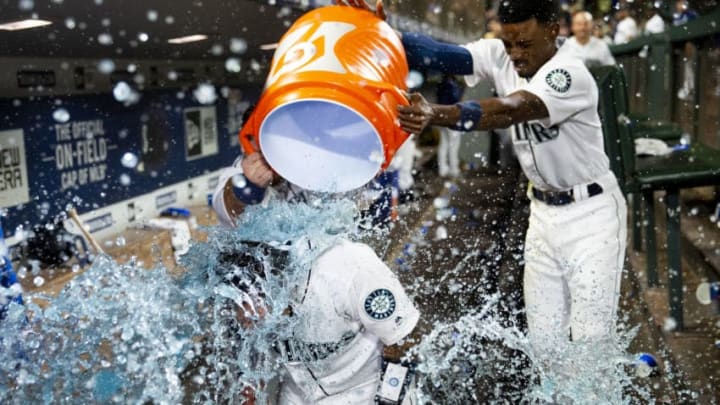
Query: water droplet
{"type": "Point", "coordinates": [120, 241]}
{"type": "Point", "coordinates": [238, 45]}
{"type": "Point", "coordinates": [670, 324]}
{"type": "Point", "coordinates": [376, 156]}
{"type": "Point", "coordinates": [143, 37]}
{"type": "Point", "coordinates": [205, 93]}
{"type": "Point", "coordinates": [381, 57]}
{"type": "Point", "coordinates": [441, 233]}
{"type": "Point", "coordinates": [70, 23]}
{"type": "Point", "coordinates": [255, 65]}
{"type": "Point", "coordinates": [129, 160]}
{"type": "Point", "coordinates": [441, 202]}
{"type": "Point", "coordinates": [216, 50]}
{"type": "Point", "coordinates": [233, 65]}
{"type": "Point", "coordinates": [239, 181]}
{"type": "Point", "coordinates": [125, 94]}
{"type": "Point", "coordinates": [38, 281]}
{"type": "Point", "coordinates": [125, 179]}
{"type": "Point", "coordinates": [26, 5]}
{"type": "Point", "coordinates": [61, 115]}
{"type": "Point", "coordinates": [106, 66]}
{"type": "Point", "coordinates": [169, 20]}
{"type": "Point", "coordinates": [105, 39]}
{"type": "Point", "coordinates": [152, 15]}
{"type": "Point", "coordinates": [414, 79]}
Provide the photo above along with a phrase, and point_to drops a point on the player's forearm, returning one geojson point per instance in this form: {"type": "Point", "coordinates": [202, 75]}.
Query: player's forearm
{"type": "Point", "coordinates": [491, 113]}
{"type": "Point", "coordinates": [502, 112]}
{"type": "Point", "coordinates": [445, 115]}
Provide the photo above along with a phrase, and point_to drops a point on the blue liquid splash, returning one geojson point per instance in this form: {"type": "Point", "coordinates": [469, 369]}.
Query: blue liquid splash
{"type": "Point", "coordinates": [123, 334]}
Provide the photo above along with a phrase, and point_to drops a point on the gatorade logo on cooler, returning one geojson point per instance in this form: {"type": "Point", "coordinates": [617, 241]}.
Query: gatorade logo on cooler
{"type": "Point", "coordinates": [309, 48]}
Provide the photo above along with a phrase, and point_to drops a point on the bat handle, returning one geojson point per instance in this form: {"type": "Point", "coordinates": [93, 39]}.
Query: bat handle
{"type": "Point", "coordinates": [76, 219]}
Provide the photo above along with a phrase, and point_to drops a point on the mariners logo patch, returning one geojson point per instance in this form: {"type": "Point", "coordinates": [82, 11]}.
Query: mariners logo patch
{"type": "Point", "coordinates": [559, 79]}
{"type": "Point", "coordinates": [380, 304]}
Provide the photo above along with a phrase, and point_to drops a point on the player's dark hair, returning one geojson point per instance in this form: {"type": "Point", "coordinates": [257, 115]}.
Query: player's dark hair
{"type": "Point", "coordinates": [516, 11]}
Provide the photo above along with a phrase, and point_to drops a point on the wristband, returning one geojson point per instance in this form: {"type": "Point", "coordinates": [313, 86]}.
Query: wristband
{"type": "Point", "coordinates": [470, 114]}
{"type": "Point", "coordinates": [249, 194]}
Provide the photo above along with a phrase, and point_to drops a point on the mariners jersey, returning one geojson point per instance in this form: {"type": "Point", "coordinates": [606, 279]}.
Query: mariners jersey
{"type": "Point", "coordinates": [566, 148]}
{"type": "Point", "coordinates": [350, 292]}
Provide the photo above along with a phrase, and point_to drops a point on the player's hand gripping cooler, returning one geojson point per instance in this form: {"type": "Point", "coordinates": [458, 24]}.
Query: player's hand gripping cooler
{"type": "Point", "coordinates": [326, 120]}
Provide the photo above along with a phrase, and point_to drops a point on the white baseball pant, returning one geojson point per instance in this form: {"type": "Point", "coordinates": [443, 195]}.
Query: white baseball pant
{"type": "Point", "coordinates": [574, 257]}
{"type": "Point", "coordinates": [448, 150]}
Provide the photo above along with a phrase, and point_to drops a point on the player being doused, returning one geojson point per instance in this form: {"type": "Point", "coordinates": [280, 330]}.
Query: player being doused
{"type": "Point", "coordinates": [344, 314]}
{"type": "Point", "coordinates": [347, 310]}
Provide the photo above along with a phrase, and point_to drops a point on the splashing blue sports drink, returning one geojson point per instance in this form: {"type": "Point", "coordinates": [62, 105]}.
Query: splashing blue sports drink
{"type": "Point", "coordinates": [121, 334]}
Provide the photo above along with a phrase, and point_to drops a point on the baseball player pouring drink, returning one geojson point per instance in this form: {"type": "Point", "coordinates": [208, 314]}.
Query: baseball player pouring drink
{"type": "Point", "coordinates": [575, 243]}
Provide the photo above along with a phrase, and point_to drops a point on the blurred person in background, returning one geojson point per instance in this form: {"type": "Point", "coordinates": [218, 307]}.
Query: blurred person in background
{"type": "Point", "coordinates": [683, 13]}
{"type": "Point", "coordinates": [655, 23]}
{"type": "Point", "coordinates": [449, 92]}
{"type": "Point", "coordinates": [593, 51]}
{"type": "Point", "coordinates": [600, 31]}
{"type": "Point", "coordinates": [565, 21]}
{"type": "Point", "coordinates": [626, 29]}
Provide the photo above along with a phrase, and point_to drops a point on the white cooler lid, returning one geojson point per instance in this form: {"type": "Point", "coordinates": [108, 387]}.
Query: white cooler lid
{"type": "Point", "coordinates": [321, 145]}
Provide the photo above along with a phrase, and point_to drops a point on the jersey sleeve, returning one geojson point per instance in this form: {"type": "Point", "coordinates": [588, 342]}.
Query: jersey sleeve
{"type": "Point", "coordinates": [564, 89]}
{"type": "Point", "coordinates": [488, 55]}
{"type": "Point", "coordinates": [378, 299]}
{"type": "Point", "coordinates": [218, 200]}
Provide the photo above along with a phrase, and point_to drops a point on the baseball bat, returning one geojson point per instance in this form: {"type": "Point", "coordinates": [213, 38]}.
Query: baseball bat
{"type": "Point", "coordinates": [74, 216]}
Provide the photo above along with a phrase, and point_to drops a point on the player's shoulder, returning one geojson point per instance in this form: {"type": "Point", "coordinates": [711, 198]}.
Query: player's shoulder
{"type": "Point", "coordinates": [565, 72]}
{"type": "Point", "coordinates": [346, 252]}
{"type": "Point", "coordinates": [485, 45]}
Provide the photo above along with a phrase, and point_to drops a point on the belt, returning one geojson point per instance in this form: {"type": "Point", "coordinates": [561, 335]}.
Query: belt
{"type": "Point", "coordinates": [564, 197]}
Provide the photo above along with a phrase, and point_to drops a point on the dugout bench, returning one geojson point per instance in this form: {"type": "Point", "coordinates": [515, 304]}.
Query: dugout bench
{"type": "Point", "coordinates": [641, 177]}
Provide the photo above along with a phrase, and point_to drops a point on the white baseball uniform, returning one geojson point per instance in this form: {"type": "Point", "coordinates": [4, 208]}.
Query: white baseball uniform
{"type": "Point", "coordinates": [448, 152]}
{"type": "Point", "coordinates": [574, 252]}
{"type": "Point", "coordinates": [655, 25]}
{"type": "Point", "coordinates": [595, 52]}
{"type": "Point", "coordinates": [352, 295]}
{"type": "Point", "coordinates": [625, 31]}
{"type": "Point", "coordinates": [352, 307]}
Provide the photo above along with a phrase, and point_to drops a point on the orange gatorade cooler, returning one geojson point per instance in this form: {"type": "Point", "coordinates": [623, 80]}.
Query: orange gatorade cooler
{"type": "Point", "coordinates": [326, 120]}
